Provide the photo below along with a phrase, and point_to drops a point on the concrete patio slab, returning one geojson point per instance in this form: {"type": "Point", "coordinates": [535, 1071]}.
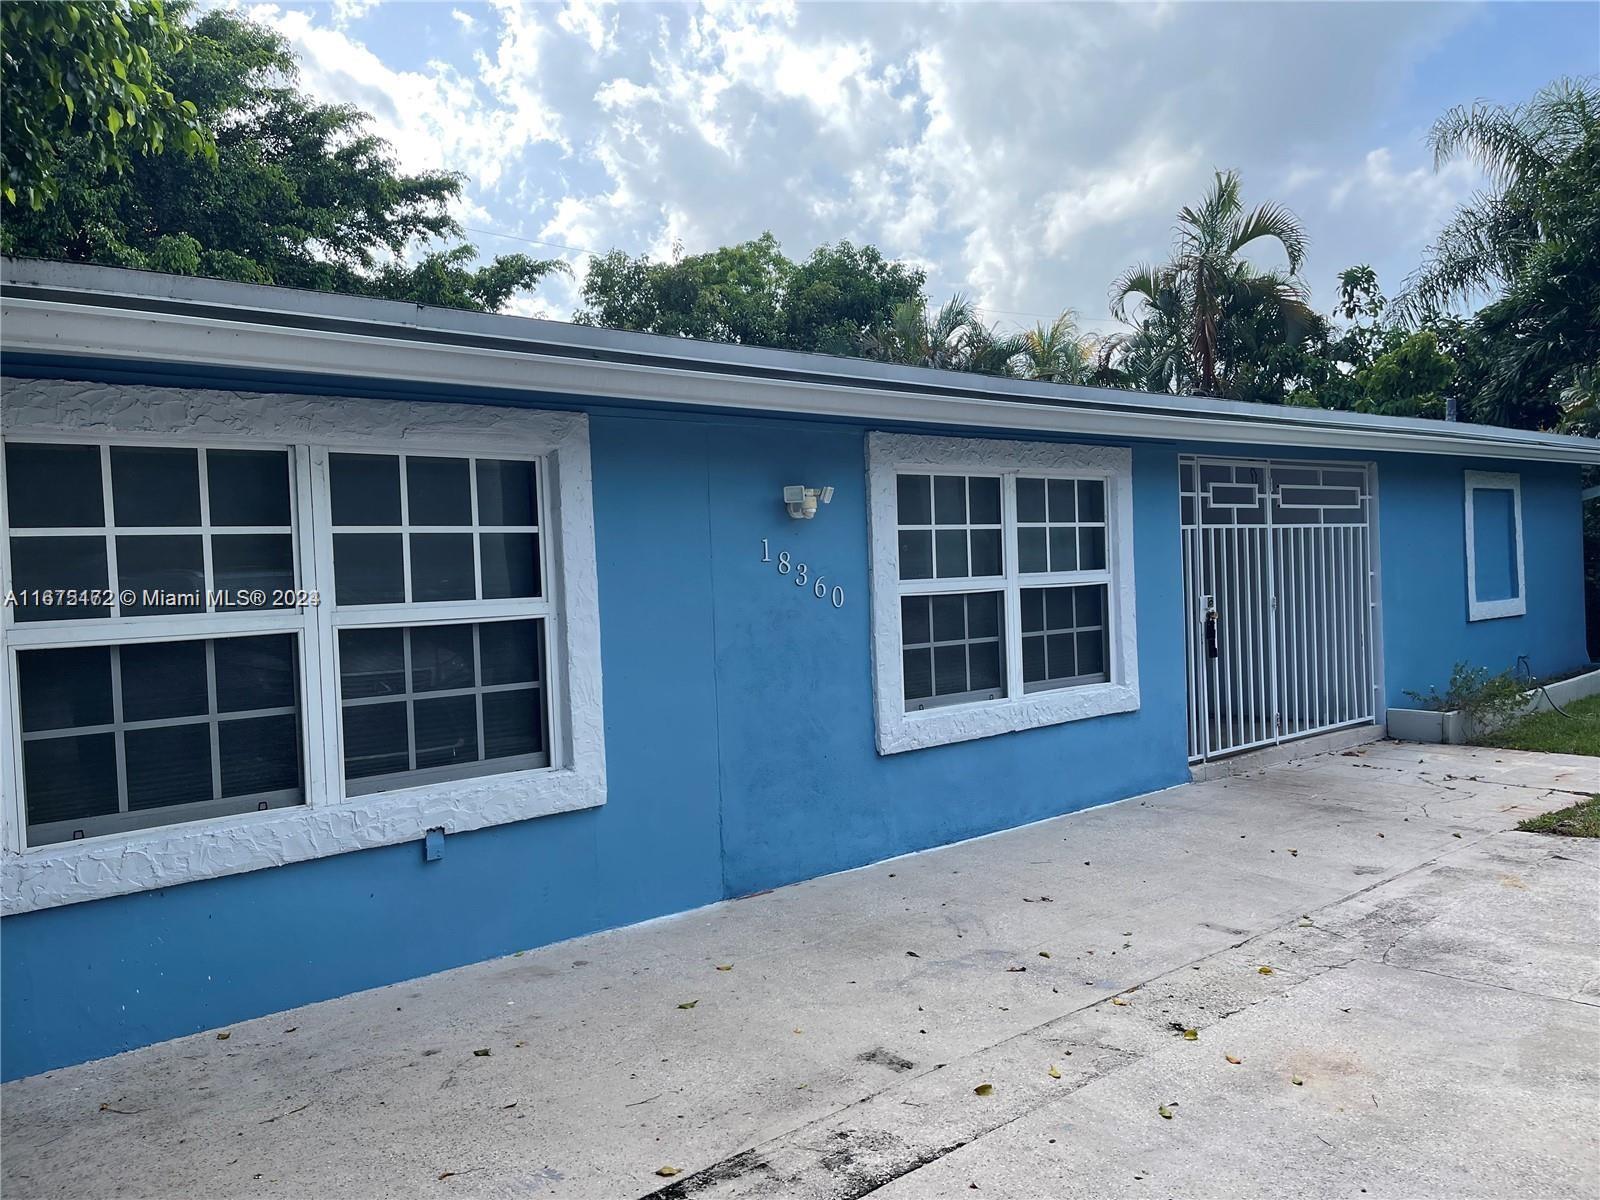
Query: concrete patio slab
{"type": "Point", "coordinates": [1434, 985]}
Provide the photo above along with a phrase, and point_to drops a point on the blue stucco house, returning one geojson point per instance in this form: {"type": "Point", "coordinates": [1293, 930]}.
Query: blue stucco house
{"type": "Point", "coordinates": [347, 641]}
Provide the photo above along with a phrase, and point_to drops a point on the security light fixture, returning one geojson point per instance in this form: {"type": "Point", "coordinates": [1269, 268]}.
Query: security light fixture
{"type": "Point", "coordinates": [801, 501]}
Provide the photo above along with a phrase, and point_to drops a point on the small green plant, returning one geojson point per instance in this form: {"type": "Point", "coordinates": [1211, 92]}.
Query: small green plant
{"type": "Point", "coordinates": [1486, 700]}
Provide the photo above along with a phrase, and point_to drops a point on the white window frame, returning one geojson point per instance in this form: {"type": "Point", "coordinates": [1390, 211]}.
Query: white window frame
{"type": "Point", "coordinates": [329, 822]}
{"type": "Point", "coordinates": [889, 455]}
{"type": "Point", "coordinates": [1514, 606]}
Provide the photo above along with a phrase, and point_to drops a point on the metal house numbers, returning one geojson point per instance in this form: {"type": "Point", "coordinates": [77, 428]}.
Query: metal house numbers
{"type": "Point", "coordinates": [802, 575]}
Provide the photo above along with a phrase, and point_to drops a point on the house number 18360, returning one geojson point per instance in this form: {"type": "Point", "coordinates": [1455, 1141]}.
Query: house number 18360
{"type": "Point", "coordinates": [802, 575]}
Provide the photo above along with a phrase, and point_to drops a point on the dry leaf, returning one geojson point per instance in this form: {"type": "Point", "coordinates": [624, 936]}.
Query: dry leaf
{"type": "Point", "coordinates": [1044, 954]}
{"type": "Point", "coordinates": [484, 1053]}
{"type": "Point", "coordinates": [983, 1089]}
{"type": "Point", "coordinates": [1055, 1072]}
{"type": "Point", "coordinates": [446, 1174]}
{"type": "Point", "coordinates": [1264, 970]}
{"type": "Point", "coordinates": [1191, 1035]}
{"type": "Point", "coordinates": [724, 966]}
{"type": "Point", "coordinates": [912, 954]}
{"type": "Point", "coordinates": [689, 1004]}
{"type": "Point", "coordinates": [1165, 1113]}
{"type": "Point", "coordinates": [224, 1035]}
{"type": "Point", "coordinates": [1119, 1001]}
{"type": "Point", "coordinates": [1233, 1058]}
{"type": "Point", "coordinates": [667, 1172]}
{"type": "Point", "coordinates": [1297, 1081]}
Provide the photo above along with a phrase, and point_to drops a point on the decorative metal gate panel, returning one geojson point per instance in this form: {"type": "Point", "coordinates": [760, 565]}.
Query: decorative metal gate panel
{"type": "Point", "coordinates": [1279, 596]}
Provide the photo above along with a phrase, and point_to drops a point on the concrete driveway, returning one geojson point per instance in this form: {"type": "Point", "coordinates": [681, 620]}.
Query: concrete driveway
{"type": "Point", "coordinates": [1006, 1016]}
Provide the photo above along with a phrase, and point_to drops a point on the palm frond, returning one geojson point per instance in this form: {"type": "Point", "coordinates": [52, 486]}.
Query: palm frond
{"type": "Point", "coordinates": [1273, 221]}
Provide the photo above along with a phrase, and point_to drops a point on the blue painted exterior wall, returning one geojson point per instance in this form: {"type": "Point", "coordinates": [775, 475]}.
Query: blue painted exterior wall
{"type": "Point", "coordinates": [740, 741]}
{"type": "Point", "coordinates": [1422, 507]}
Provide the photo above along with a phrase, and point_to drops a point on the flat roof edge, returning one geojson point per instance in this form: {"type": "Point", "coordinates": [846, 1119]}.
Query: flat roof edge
{"type": "Point", "coordinates": [72, 310]}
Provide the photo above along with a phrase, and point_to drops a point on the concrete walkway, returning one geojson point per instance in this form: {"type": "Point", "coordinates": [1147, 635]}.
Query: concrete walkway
{"type": "Point", "coordinates": [1430, 1025]}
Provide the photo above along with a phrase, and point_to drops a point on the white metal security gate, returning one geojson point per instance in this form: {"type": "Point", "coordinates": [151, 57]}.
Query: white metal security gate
{"type": "Point", "coordinates": [1279, 594]}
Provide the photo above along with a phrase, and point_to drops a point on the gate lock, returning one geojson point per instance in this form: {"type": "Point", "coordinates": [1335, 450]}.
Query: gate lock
{"type": "Point", "coordinates": [1211, 627]}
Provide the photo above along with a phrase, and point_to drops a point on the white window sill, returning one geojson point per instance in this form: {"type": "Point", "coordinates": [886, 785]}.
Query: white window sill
{"type": "Point", "coordinates": [986, 718]}
{"type": "Point", "coordinates": [94, 868]}
{"type": "Point", "coordinates": [1494, 610]}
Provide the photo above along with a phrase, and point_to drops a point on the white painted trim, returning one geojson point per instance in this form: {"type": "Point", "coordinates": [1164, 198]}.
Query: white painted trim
{"type": "Point", "coordinates": [898, 730]}
{"type": "Point", "coordinates": [542, 356]}
{"type": "Point", "coordinates": [1514, 606]}
{"type": "Point", "coordinates": [327, 824]}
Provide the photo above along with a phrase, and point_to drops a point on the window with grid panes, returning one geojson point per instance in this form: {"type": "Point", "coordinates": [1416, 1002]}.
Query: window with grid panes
{"type": "Point", "coordinates": [160, 680]}
{"type": "Point", "coordinates": [954, 532]}
{"type": "Point", "coordinates": [160, 615]}
{"type": "Point", "coordinates": [455, 541]}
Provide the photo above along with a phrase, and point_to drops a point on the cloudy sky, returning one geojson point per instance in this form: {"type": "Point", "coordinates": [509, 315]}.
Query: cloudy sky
{"type": "Point", "coordinates": [1023, 154]}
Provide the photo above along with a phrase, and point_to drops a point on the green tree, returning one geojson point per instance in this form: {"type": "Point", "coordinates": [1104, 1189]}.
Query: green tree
{"type": "Point", "coordinates": [1207, 283]}
{"type": "Point", "coordinates": [1530, 241]}
{"type": "Point", "coordinates": [840, 293]}
{"type": "Point", "coordinates": [951, 338]}
{"type": "Point", "coordinates": [751, 293]}
{"type": "Point", "coordinates": [299, 193]}
{"type": "Point", "coordinates": [1058, 352]}
{"type": "Point", "coordinates": [91, 72]}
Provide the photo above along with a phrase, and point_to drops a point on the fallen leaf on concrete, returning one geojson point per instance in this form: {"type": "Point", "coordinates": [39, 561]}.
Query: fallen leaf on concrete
{"type": "Point", "coordinates": [513, 1104]}
{"type": "Point", "coordinates": [1191, 1035]}
{"type": "Point", "coordinates": [518, 1045]}
{"type": "Point", "coordinates": [983, 1089]}
{"type": "Point", "coordinates": [797, 1031]}
{"type": "Point", "coordinates": [1233, 1058]}
{"type": "Point", "coordinates": [1014, 970]}
{"type": "Point", "coordinates": [1380, 835]}
{"type": "Point", "coordinates": [1296, 853]}
{"type": "Point", "coordinates": [484, 1053]}
{"type": "Point", "coordinates": [1264, 970]}
{"type": "Point", "coordinates": [1044, 954]}
{"type": "Point", "coordinates": [1297, 1081]}
{"type": "Point", "coordinates": [291, 1029]}
{"type": "Point", "coordinates": [1165, 1113]}
{"type": "Point", "coordinates": [121, 1112]}
{"type": "Point", "coordinates": [667, 1172]}
{"type": "Point", "coordinates": [1055, 1072]}
{"type": "Point", "coordinates": [689, 1004]}
{"type": "Point", "coordinates": [912, 954]}
{"type": "Point", "coordinates": [446, 1174]}
{"type": "Point", "coordinates": [224, 1035]}
{"type": "Point", "coordinates": [724, 966]}
{"type": "Point", "coordinates": [1119, 1001]}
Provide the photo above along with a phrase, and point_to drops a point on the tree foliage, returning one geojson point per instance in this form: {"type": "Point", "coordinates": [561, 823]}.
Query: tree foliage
{"type": "Point", "coordinates": [1209, 320]}
{"type": "Point", "coordinates": [753, 294]}
{"type": "Point", "coordinates": [94, 73]}
{"type": "Point", "coordinates": [298, 193]}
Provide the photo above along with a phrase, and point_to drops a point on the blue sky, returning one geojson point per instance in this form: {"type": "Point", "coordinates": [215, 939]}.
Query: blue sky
{"type": "Point", "coordinates": [1022, 154]}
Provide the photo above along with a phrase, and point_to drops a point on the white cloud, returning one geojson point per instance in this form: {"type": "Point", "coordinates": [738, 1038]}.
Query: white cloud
{"type": "Point", "coordinates": [1024, 155]}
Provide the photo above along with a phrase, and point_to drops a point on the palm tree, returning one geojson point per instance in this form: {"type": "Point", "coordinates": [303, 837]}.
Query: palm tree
{"type": "Point", "coordinates": [1058, 352]}
{"type": "Point", "coordinates": [952, 339]}
{"type": "Point", "coordinates": [1488, 241]}
{"type": "Point", "coordinates": [1206, 277]}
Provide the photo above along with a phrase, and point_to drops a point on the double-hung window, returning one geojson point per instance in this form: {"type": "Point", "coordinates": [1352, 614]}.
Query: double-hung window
{"type": "Point", "coordinates": [1002, 586]}
{"type": "Point", "coordinates": [306, 638]}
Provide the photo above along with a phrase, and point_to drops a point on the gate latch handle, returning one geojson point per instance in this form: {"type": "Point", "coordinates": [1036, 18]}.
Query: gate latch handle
{"type": "Point", "coordinates": [1211, 634]}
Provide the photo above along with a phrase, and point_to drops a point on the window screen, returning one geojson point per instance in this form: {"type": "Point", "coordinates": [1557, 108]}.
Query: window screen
{"type": "Point", "coordinates": [130, 736]}
{"type": "Point", "coordinates": [131, 531]}
{"type": "Point", "coordinates": [424, 703]}
{"type": "Point", "coordinates": [1049, 531]}
{"type": "Point", "coordinates": [423, 529]}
